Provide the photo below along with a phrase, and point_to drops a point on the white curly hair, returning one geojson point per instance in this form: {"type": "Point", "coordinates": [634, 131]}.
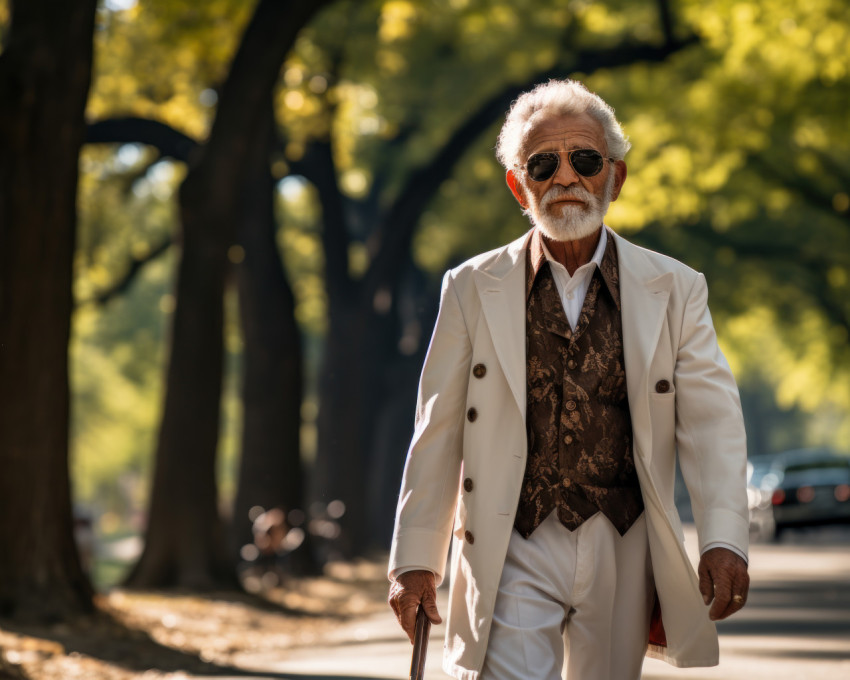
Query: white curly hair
{"type": "Point", "coordinates": [557, 97]}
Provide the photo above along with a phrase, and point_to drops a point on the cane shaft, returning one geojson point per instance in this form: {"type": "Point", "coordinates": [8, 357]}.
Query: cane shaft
{"type": "Point", "coordinates": [420, 645]}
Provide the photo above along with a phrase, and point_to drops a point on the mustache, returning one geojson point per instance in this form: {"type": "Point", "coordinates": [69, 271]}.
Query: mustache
{"type": "Point", "coordinates": [557, 193]}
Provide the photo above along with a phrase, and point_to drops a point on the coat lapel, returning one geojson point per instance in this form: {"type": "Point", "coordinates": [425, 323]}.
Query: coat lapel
{"type": "Point", "coordinates": [644, 294]}
{"type": "Point", "coordinates": [501, 288]}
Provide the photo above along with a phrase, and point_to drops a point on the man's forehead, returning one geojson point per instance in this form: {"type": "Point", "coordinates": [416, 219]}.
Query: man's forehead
{"type": "Point", "coordinates": [567, 130]}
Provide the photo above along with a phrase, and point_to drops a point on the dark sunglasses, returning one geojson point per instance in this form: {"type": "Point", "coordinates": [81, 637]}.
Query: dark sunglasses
{"type": "Point", "coordinates": [586, 162]}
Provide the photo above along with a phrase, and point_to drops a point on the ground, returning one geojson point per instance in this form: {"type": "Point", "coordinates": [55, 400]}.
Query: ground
{"type": "Point", "coordinates": [182, 634]}
{"type": "Point", "coordinates": [338, 627]}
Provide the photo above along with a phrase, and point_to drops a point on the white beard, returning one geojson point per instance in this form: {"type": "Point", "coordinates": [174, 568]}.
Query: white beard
{"type": "Point", "coordinates": [569, 222]}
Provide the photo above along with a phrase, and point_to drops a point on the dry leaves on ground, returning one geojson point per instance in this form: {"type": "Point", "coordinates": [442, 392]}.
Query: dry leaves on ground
{"type": "Point", "coordinates": [155, 635]}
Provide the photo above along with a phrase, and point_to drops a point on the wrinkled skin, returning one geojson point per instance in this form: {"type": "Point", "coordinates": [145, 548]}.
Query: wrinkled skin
{"type": "Point", "coordinates": [406, 592]}
{"type": "Point", "coordinates": [723, 575]}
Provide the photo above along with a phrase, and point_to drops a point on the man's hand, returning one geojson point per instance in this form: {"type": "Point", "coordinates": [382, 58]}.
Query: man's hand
{"type": "Point", "coordinates": [407, 591]}
{"type": "Point", "coordinates": [723, 578]}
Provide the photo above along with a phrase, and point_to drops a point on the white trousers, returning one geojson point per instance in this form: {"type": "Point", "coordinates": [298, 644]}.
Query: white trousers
{"type": "Point", "coordinates": [572, 604]}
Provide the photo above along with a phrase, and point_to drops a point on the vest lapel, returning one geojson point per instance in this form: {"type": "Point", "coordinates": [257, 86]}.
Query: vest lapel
{"type": "Point", "coordinates": [501, 288]}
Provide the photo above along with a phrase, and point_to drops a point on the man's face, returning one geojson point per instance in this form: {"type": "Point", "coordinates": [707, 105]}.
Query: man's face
{"type": "Point", "coordinates": [567, 206]}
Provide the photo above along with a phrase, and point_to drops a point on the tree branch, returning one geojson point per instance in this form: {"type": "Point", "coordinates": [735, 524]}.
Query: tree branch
{"type": "Point", "coordinates": [812, 265]}
{"type": "Point", "coordinates": [123, 283]}
{"type": "Point", "coordinates": [395, 231]}
{"type": "Point", "coordinates": [318, 166]}
{"type": "Point", "coordinates": [665, 18]}
{"type": "Point", "coordinates": [267, 39]}
{"type": "Point", "coordinates": [132, 130]}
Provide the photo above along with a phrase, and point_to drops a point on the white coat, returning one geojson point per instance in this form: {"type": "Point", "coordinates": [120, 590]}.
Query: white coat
{"type": "Point", "coordinates": [667, 335]}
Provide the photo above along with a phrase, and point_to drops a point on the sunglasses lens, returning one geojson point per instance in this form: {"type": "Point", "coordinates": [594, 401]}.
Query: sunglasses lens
{"type": "Point", "coordinates": [541, 166]}
{"type": "Point", "coordinates": [586, 162]}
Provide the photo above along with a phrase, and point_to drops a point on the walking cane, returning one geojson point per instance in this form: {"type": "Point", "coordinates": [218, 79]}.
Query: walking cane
{"type": "Point", "coordinates": [420, 645]}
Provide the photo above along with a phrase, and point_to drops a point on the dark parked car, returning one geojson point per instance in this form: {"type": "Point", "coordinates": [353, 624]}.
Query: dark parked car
{"type": "Point", "coordinates": [808, 487]}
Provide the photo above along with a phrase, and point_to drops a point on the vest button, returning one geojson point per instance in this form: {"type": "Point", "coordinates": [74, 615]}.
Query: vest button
{"type": "Point", "coordinates": [662, 386]}
{"type": "Point", "coordinates": [571, 405]}
{"type": "Point", "coordinates": [469, 537]}
{"type": "Point", "coordinates": [467, 484]}
{"type": "Point", "coordinates": [479, 370]}
{"type": "Point", "coordinates": [571, 364]}
{"type": "Point", "coordinates": [471, 415]}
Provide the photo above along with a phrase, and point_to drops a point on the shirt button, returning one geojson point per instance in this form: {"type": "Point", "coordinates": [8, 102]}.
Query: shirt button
{"type": "Point", "coordinates": [469, 537]}
{"type": "Point", "coordinates": [569, 296]}
{"type": "Point", "coordinates": [471, 415]}
{"type": "Point", "coordinates": [467, 484]}
{"type": "Point", "coordinates": [662, 386]}
{"type": "Point", "coordinates": [571, 405]}
{"type": "Point", "coordinates": [479, 370]}
{"type": "Point", "coordinates": [571, 364]}
{"type": "Point", "coordinates": [568, 439]}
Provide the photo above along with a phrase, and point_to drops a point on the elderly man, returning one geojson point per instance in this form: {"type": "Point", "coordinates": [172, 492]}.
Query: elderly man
{"type": "Point", "coordinates": [566, 372]}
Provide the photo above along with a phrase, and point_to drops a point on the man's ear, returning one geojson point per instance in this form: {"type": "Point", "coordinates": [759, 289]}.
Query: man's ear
{"type": "Point", "coordinates": [515, 187]}
{"type": "Point", "coordinates": [620, 173]}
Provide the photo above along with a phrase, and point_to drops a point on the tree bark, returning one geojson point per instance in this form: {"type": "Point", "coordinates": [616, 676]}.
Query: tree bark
{"type": "Point", "coordinates": [184, 543]}
{"type": "Point", "coordinates": [45, 71]}
{"type": "Point", "coordinates": [271, 474]}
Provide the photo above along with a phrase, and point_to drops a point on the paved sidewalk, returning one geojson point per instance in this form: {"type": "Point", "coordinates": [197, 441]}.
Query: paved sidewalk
{"type": "Point", "coordinates": [796, 625]}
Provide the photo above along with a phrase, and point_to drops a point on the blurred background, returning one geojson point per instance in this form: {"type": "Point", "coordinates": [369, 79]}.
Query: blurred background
{"type": "Point", "coordinates": [223, 226]}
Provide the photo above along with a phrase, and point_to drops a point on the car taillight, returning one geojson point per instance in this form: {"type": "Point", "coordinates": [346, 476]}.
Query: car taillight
{"type": "Point", "coordinates": [842, 493]}
{"type": "Point", "coordinates": [778, 497]}
{"type": "Point", "coordinates": [805, 494]}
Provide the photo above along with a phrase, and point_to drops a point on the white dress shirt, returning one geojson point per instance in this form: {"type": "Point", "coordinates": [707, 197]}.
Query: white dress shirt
{"type": "Point", "coordinates": [573, 289]}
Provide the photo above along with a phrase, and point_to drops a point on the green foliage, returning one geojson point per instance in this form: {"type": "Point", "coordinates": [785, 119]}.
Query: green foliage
{"type": "Point", "coordinates": [740, 168]}
{"type": "Point", "coordinates": [163, 59]}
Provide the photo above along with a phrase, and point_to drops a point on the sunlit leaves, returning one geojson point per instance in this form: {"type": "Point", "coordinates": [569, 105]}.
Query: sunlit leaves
{"type": "Point", "coordinates": [159, 58]}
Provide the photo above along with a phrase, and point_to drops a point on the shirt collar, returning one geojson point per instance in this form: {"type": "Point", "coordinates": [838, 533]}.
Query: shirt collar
{"type": "Point", "coordinates": [605, 258]}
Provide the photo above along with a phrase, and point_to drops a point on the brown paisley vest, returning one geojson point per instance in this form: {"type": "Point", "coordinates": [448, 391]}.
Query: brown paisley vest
{"type": "Point", "coordinates": [578, 423]}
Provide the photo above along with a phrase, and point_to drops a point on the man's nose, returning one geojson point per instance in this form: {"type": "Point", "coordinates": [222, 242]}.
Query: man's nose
{"type": "Point", "coordinates": [565, 174]}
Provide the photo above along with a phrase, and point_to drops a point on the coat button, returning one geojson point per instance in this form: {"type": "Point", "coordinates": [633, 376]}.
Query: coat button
{"type": "Point", "coordinates": [571, 364]}
{"type": "Point", "coordinates": [479, 370]}
{"type": "Point", "coordinates": [571, 405]}
{"type": "Point", "coordinates": [467, 484]}
{"type": "Point", "coordinates": [469, 537]}
{"type": "Point", "coordinates": [662, 386]}
{"type": "Point", "coordinates": [471, 414]}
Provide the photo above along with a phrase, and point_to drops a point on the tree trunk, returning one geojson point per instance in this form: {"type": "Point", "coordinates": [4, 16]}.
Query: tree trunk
{"type": "Point", "coordinates": [417, 311]}
{"type": "Point", "coordinates": [45, 72]}
{"type": "Point", "coordinates": [347, 398]}
{"type": "Point", "coordinates": [270, 474]}
{"type": "Point", "coordinates": [184, 544]}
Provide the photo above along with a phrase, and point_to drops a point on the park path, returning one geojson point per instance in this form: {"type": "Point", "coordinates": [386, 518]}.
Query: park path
{"type": "Point", "coordinates": [796, 625]}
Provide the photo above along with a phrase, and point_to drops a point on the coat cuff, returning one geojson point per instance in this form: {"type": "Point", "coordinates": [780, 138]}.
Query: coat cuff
{"type": "Point", "coordinates": [420, 549]}
{"type": "Point", "coordinates": [727, 527]}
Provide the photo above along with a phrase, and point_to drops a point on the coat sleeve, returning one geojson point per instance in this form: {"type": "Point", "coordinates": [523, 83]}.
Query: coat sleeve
{"type": "Point", "coordinates": [430, 485]}
{"type": "Point", "coordinates": [710, 433]}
